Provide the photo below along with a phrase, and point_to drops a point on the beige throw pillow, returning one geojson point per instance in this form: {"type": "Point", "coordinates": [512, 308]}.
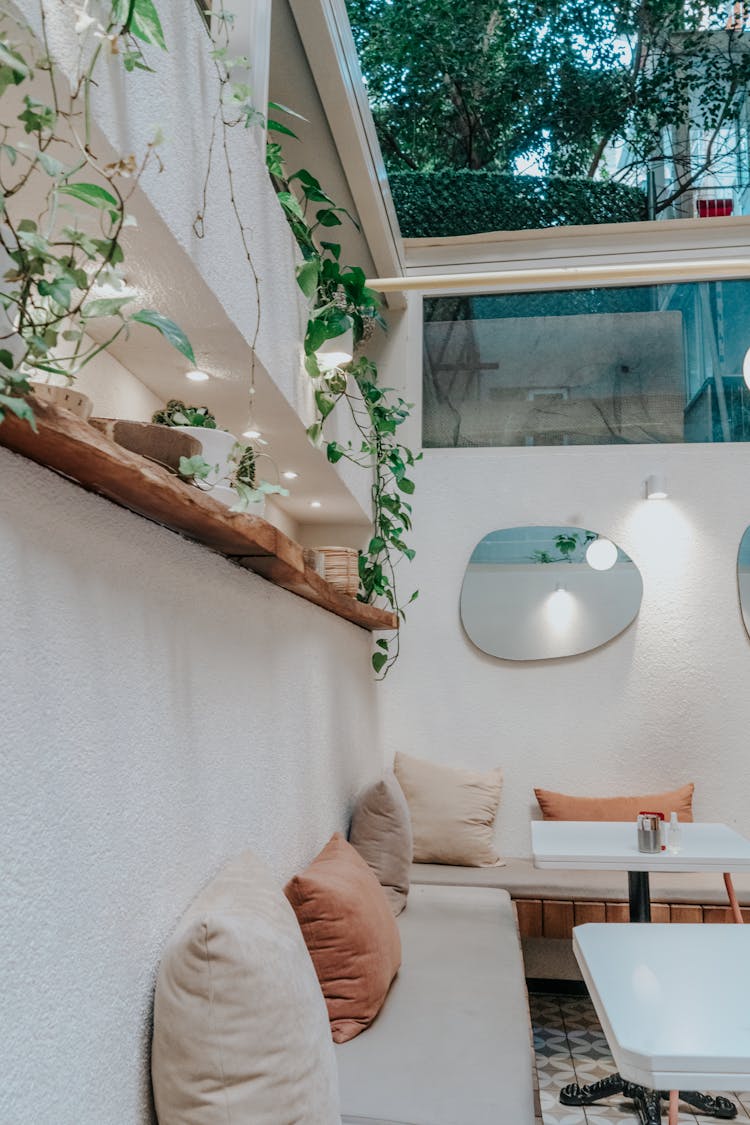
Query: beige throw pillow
{"type": "Point", "coordinates": [381, 833]}
{"type": "Point", "coordinates": [241, 1030]}
{"type": "Point", "coordinates": [452, 812]}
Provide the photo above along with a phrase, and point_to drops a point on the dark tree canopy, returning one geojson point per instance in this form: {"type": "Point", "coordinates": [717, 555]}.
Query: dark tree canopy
{"type": "Point", "coordinates": [566, 87]}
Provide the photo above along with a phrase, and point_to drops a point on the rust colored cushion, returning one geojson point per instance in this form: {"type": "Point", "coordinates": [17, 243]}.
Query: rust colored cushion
{"type": "Point", "coordinates": [560, 806]}
{"type": "Point", "coordinates": [351, 934]}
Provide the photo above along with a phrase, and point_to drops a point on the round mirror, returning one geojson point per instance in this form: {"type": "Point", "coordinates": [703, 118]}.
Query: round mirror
{"type": "Point", "coordinates": [537, 593]}
{"type": "Point", "coordinates": [743, 578]}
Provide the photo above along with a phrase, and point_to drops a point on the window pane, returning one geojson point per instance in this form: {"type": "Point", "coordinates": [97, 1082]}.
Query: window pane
{"type": "Point", "coordinates": [641, 364]}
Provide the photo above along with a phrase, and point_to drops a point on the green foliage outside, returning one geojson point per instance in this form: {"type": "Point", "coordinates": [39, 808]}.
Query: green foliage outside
{"type": "Point", "coordinates": [593, 89]}
{"type": "Point", "coordinates": [444, 203]}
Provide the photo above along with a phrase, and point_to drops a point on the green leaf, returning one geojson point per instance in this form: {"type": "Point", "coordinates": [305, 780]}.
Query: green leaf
{"type": "Point", "coordinates": [19, 407]}
{"type": "Point", "coordinates": [334, 248]}
{"type": "Point", "coordinates": [334, 452]}
{"type": "Point", "coordinates": [406, 485]}
{"type": "Point", "coordinates": [92, 194]}
{"type": "Point", "coordinates": [376, 545]}
{"type": "Point", "coordinates": [378, 660]}
{"type": "Point", "coordinates": [382, 644]}
{"type": "Point", "coordinates": [277, 127]}
{"type": "Point", "coordinates": [104, 306]}
{"type": "Point", "coordinates": [324, 404]}
{"type": "Point", "coordinates": [314, 433]}
{"type": "Point", "coordinates": [51, 166]}
{"type": "Point", "coordinates": [6, 358]}
{"type": "Point", "coordinates": [145, 25]}
{"type": "Point", "coordinates": [286, 109]}
{"type": "Point", "coordinates": [307, 277]}
{"type": "Point", "coordinates": [10, 152]}
{"type": "Point", "coordinates": [169, 330]}
{"type": "Point", "coordinates": [327, 217]}
{"type": "Point", "coordinates": [195, 467]}
{"type": "Point", "coordinates": [13, 61]}
{"type": "Point", "coordinates": [291, 204]}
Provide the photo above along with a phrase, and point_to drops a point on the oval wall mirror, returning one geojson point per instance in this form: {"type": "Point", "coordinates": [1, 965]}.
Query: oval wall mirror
{"type": "Point", "coordinates": [743, 578]}
{"type": "Point", "coordinates": [538, 593]}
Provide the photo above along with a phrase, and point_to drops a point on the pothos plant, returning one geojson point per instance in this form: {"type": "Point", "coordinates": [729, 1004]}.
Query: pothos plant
{"type": "Point", "coordinates": [340, 299]}
{"type": "Point", "coordinates": [62, 261]}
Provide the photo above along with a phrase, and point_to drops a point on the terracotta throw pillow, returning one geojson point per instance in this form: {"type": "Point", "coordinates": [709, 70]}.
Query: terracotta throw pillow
{"type": "Point", "coordinates": [351, 934]}
{"type": "Point", "coordinates": [559, 806]}
{"type": "Point", "coordinates": [240, 1027]}
{"type": "Point", "coordinates": [452, 812]}
{"type": "Point", "coordinates": [381, 833]}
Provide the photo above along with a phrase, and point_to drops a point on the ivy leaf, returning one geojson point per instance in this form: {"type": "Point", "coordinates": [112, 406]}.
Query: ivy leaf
{"type": "Point", "coordinates": [277, 127]}
{"type": "Point", "coordinates": [307, 277]}
{"type": "Point", "coordinates": [169, 330]}
{"type": "Point", "coordinates": [51, 166]}
{"type": "Point", "coordinates": [195, 467]}
{"type": "Point", "coordinates": [334, 452]}
{"type": "Point", "coordinates": [406, 485]}
{"type": "Point", "coordinates": [333, 248]}
{"type": "Point", "coordinates": [60, 289]}
{"type": "Point", "coordinates": [286, 109]}
{"type": "Point", "coordinates": [13, 61]}
{"type": "Point", "coordinates": [92, 194]}
{"type": "Point", "coordinates": [291, 204]}
{"type": "Point", "coordinates": [10, 152]}
{"type": "Point", "coordinates": [327, 217]}
{"type": "Point", "coordinates": [104, 306]}
{"type": "Point", "coordinates": [6, 358]}
{"type": "Point", "coordinates": [324, 404]}
{"type": "Point", "coordinates": [145, 25]}
{"type": "Point", "coordinates": [19, 407]}
{"type": "Point", "coordinates": [378, 660]}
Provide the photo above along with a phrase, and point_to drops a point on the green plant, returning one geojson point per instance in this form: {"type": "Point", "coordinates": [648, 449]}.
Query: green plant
{"type": "Point", "coordinates": [64, 209]}
{"type": "Point", "coordinates": [340, 299]}
{"type": "Point", "coordinates": [176, 413]}
{"type": "Point", "coordinates": [244, 479]}
{"type": "Point", "coordinates": [567, 544]}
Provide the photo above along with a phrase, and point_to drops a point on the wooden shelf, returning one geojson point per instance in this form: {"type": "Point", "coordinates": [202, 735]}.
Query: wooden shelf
{"type": "Point", "coordinates": [71, 447]}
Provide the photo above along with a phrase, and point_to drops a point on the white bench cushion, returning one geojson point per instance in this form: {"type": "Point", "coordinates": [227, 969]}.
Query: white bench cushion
{"type": "Point", "coordinates": [522, 880]}
{"type": "Point", "coordinates": [451, 1045]}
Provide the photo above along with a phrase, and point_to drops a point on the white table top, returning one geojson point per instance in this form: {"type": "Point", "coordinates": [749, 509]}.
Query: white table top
{"type": "Point", "coordinates": [613, 846]}
{"type": "Point", "coordinates": [673, 1000]}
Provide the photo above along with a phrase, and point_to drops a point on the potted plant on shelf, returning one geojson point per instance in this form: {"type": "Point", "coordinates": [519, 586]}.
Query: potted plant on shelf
{"type": "Point", "coordinates": [247, 492]}
{"type": "Point", "coordinates": [217, 444]}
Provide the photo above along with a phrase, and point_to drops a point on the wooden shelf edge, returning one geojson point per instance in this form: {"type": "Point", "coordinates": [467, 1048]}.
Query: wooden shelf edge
{"type": "Point", "coordinates": [69, 446]}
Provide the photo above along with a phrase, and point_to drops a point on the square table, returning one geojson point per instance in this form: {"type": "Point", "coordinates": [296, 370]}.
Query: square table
{"type": "Point", "coordinates": [673, 1001]}
{"type": "Point", "coordinates": [594, 845]}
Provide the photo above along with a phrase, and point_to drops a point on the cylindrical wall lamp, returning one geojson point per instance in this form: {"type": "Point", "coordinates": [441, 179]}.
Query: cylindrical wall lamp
{"type": "Point", "coordinates": [656, 487]}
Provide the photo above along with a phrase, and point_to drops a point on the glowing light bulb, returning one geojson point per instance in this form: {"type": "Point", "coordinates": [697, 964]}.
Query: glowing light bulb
{"type": "Point", "coordinates": [601, 554]}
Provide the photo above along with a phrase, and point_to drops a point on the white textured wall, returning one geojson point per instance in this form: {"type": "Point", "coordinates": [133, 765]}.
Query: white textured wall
{"type": "Point", "coordinates": [161, 710]}
{"type": "Point", "coordinates": [666, 702]}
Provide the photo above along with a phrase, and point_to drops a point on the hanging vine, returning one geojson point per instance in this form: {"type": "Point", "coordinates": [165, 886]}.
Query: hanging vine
{"type": "Point", "coordinates": [340, 299]}
{"type": "Point", "coordinates": [62, 263]}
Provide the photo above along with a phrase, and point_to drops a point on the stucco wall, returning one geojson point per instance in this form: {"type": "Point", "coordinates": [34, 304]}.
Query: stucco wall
{"type": "Point", "coordinates": [162, 709]}
{"type": "Point", "coordinates": [665, 702]}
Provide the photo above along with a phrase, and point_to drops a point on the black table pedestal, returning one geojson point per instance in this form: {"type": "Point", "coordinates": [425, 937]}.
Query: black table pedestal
{"type": "Point", "coordinates": [647, 1102]}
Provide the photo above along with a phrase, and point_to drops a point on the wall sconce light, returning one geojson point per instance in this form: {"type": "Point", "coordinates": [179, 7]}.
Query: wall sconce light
{"type": "Point", "coordinates": [336, 352]}
{"type": "Point", "coordinates": [656, 487]}
{"type": "Point", "coordinates": [746, 368]}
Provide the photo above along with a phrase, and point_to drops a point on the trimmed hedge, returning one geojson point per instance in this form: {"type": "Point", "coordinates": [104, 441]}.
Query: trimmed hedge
{"type": "Point", "coordinates": [447, 202]}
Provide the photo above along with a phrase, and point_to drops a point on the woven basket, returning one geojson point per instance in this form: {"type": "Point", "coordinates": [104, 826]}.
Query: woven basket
{"type": "Point", "coordinates": [341, 568]}
{"type": "Point", "coordinates": [314, 560]}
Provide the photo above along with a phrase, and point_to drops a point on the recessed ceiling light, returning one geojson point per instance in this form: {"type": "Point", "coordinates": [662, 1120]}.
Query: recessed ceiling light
{"type": "Point", "coordinates": [315, 504]}
{"type": "Point", "coordinates": [197, 376]}
{"type": "Point", "coordinates": [290, 475]}
{"type": "Point", "coordinates": [251, 434]}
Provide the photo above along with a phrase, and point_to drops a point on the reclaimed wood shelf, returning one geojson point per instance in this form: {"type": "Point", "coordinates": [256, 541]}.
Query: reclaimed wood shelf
{"type": "Point", "coordinates": [72, 448]}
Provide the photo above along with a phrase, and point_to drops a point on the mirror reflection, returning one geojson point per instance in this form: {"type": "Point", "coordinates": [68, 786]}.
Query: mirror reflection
{"type": "Point", "coordinates": [537, 593]}
{"type": "Point", "coordinates": [743, 578]}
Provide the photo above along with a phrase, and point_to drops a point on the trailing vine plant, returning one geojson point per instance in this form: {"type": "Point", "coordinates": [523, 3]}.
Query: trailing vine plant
{"type": "Point", "coordinates": [62, 263]}
{"type": "Point", "coordinates": [340, 299]}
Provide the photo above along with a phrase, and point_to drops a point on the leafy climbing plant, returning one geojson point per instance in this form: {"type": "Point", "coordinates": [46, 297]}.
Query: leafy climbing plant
{"type": "Point", "coordinates": [61, 263]}
{"type": "Point", "coordinates": [341, 300]}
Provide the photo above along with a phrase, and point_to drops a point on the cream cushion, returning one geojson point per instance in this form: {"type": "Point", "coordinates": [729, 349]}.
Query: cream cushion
{"type": "Point", "coordinates": [381, 833]}
{"type": "Point", "coordinates": [241, 1031]}
{"type": "Point", "coordinates": [452, 812]}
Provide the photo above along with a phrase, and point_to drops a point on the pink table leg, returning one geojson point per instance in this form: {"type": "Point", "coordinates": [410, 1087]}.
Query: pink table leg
{"type": "Point", "coordinates": [733, 898]}
{"type": "Point", "coordinates": [674, 1098]}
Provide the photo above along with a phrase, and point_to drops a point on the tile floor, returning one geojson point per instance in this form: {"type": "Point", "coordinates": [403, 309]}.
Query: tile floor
{"type": "Point", "coordinates": [570, 1047]}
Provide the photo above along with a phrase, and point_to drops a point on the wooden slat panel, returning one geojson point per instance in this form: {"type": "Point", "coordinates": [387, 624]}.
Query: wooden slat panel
{"type": "Point", "coordinates": [557, 918]}
{"type": "Point", "coordinates": [618, 912]}
{"type": "Point", "coordinates": [589, 912]}
{"type": "Point", "coordinates": [660, 912]}
{"type": "Point", "coordinates": [681, 912]}
{"type": "Point", "coordinates": [70, 446]}
{"type": "Point", "coordinates": [723, 914]}
{"type": "Point", "coordinates": [529, 913]}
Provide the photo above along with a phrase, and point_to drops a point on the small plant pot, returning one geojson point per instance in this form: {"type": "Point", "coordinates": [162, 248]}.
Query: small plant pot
{"type": "Point", "coordinates": [66, 397]}
{"type": "Point", "coordinates": [217, 446]}
{"type": "Point", "coordinates": [162, 444]}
